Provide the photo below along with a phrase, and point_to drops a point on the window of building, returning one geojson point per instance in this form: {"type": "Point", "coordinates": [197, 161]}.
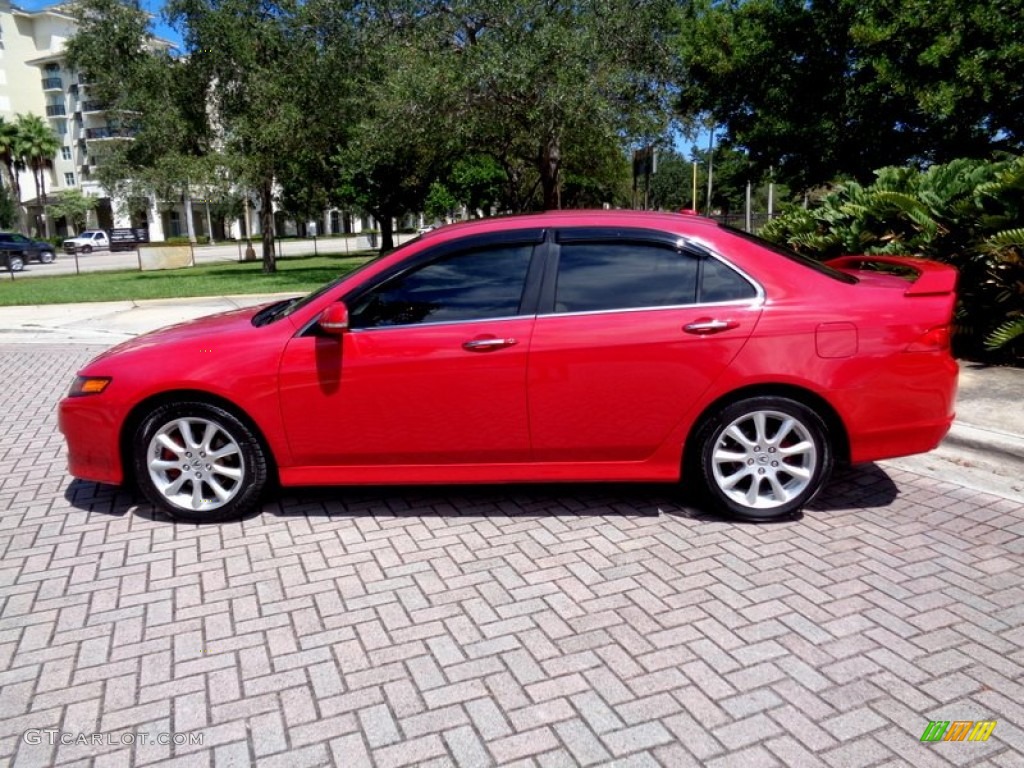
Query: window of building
{"type": "Point", "coordinates": [65, 153]}
{"type": "Point", "coordinates": [69, 179]}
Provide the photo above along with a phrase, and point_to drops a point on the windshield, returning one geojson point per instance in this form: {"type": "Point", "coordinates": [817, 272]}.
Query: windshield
{"type": "Point", "coordinates": [799, 258]}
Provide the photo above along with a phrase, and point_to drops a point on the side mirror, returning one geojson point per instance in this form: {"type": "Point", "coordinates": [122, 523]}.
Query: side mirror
{"type": "Point", "coordinates": [334, 319]}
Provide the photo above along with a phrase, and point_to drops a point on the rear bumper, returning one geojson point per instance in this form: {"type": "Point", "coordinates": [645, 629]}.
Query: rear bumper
{"type": "Point", "coordinates": [92, 438]}
{"type": "Point", "coordinates": [906, 409]}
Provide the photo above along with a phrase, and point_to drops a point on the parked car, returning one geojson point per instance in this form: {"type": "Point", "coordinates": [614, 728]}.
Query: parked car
{"type": "Point", "coordinates": [19, 250]}
{"type": "Point", "coordinates": [568, 346]}
{"type": "Point", "coordinates": [87, 242]}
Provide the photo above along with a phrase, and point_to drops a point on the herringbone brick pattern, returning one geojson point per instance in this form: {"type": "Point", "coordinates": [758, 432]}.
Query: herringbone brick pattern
{"type": "Point", "coordinates": [550, 626]}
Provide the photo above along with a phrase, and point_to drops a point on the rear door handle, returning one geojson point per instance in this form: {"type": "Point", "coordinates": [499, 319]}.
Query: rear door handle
{"type": "Point", "coordinates": [709, 326]}
{"type": "Point", "coordinates": [487, 345]}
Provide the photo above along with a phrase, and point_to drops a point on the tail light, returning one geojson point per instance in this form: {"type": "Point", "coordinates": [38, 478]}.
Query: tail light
{"type": "Point", "coordinates": [933, 340]}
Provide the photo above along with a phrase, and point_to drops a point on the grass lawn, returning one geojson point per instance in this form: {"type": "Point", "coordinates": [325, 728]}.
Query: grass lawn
{"type": "Point", "coordinates": [298, 274]}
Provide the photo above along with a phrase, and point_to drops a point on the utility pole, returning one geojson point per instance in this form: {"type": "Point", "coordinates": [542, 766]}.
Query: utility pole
{"type": "Point", "coordinates": [694, 205]}
{"type": "Point", "coordinates": [711, 164]}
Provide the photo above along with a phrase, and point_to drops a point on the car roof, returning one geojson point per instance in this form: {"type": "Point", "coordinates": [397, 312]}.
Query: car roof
{"type": "Point", "coordinates": [673, 222]}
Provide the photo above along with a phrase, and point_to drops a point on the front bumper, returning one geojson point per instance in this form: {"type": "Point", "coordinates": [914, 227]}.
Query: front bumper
{"type": "Point", "coordinates": [91, 432]}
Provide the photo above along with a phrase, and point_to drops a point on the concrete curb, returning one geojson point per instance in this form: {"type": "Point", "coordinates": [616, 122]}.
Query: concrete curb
{"type": "Point", "coordinates": [1005, 447]}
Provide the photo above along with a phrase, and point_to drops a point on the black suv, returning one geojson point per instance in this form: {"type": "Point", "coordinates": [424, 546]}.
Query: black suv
{"type": "Point", "coordinates": [16, 249]}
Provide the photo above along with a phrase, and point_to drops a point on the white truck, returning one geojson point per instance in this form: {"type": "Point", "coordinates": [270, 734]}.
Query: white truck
{"type": "Point", "coordinates": [87, 242]}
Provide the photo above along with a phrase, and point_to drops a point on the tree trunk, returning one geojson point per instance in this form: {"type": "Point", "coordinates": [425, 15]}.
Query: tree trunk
{"type": "Point", "coordinates": [42, 203]}
{"type": "Point", "coordinates": [36, 174]}
{"type": "Point", "coordinates": [267, 225]}
{"type": "Point", "coordinates": [387, 234]}
{"type": "Point", "coordinates": [550, 164]}
{"type": "Point", "coordinates": [190, 224]}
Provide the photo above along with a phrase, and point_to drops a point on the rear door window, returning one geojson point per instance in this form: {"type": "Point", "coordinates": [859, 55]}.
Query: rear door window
{"type": "Point", "coordinates": [607, 276]}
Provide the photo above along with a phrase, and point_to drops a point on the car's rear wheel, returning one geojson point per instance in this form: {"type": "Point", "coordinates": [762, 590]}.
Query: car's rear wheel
{"type": "Point", "coordinates": [764, 458]}
{"type": "Point", "coordinates": [47, 257]}
{"type": "Point", "coordinates": [15, 263]}
{"type": "Point", "coordinates": [198, 462]}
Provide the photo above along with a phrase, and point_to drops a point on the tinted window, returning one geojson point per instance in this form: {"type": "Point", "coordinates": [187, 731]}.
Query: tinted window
{"type": "Point", "coordinates": [719, 282]}
{"type": "Point", "coordinates": [468, 286]}
{"type": "Point", "coordinates": [799, 258]}
{"type": "Point", "coordinates": [607, 276]}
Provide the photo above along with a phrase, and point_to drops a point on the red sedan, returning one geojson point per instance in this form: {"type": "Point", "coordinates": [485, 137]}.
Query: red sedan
{"type": "Point", "coordinates": [569, 346]}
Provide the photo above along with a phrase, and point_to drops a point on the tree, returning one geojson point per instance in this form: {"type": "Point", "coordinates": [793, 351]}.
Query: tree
{"type": "Point", "coordinates": [547, 94]}
{"type": "Point", "coordinates": [830, 89]}
{"type": "Point", "coordinates": [8, 208]}
{"type": "Point", "coordinates": [155, 106]}
{"type": "Point", "coordinates": [255, 66]}
{"type": "Point", "coordinates": [74, 206]}
{"type": "Point", "coordinates": [38, 145]}
{"type": "Point", "coordinates": [10, 158]}
{"type": "Point", "coordinates": [548, 88]}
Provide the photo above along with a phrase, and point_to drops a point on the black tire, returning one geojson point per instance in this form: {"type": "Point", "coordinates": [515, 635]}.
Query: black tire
{"type": "Point", "coordinates": [763, 458]}
{"type": "Point", "coordinates": [207, 488]}
{"type": "Point", "coordinates": [86, 249]}
{"type": "Point", "coordinates": [47, 257]}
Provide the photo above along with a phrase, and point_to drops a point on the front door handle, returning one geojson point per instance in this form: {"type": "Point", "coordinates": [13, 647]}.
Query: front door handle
{"type": "Point", "coordinates": [705, 327]}
{"type": "Point", "coordinates": [488, 345]}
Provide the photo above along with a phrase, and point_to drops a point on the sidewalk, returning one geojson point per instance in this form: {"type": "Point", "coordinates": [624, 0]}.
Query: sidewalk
{"type": "Point", "coordinates": [987, 437]}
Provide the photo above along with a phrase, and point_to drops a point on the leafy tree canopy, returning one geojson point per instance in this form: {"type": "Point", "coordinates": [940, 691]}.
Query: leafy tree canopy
{"type": "Point", "coordinates": [824, 90]}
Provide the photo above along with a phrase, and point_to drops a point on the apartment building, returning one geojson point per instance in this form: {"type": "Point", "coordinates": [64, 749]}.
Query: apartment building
{"type": "Point", "coordinates": [38, 88]}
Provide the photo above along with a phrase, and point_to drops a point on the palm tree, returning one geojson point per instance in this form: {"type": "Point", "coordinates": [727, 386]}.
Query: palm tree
{"type": "Point", "coordinates": [10, 159]}
{"type": "Point", "coordinates": [39, 145]}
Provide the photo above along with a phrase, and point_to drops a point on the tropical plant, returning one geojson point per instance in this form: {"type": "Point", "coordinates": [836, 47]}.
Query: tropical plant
{"type": "Point", "coordinates": [965, 212]}
{"type": "Point", "coordinates": [10, 159]}
{"type": "Point", "coordinates": [8, 209]}
{"type": "Point", "coordinates": [38, 145]}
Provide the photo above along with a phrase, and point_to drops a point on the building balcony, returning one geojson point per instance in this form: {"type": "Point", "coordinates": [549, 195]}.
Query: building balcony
{"type": "Point", "coordinates": [56, 110]}
{"type": "Point", "coordinates": [53, 84]}
{"type": "Point", "coordinates": [109, 133]}
{"type": "Point", "coordinates": [93, 106]}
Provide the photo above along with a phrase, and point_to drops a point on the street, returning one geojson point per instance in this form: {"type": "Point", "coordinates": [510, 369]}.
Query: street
{"type": "Point", "coordinates": [204, 254]}
{"type": "Point", "coordinates": [498, 625]}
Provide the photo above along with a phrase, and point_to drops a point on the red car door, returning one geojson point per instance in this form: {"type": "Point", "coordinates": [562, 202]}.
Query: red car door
{"type": "Point", "coordinates": [636, 331]}
{"type": "Point", "coordinates": [432, 371]}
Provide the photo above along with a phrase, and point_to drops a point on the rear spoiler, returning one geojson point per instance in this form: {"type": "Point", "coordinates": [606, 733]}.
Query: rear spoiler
{"type": "Point", "coordinates": [933, 278]}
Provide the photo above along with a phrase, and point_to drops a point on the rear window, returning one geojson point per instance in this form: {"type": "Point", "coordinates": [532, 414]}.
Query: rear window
{"type": "Point", "coordinates": [806, 261]}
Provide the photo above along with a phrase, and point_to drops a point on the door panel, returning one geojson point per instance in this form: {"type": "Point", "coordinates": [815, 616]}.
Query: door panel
{"type": "Point", "coordinates": [626, 351]}
{"type": "Point", "coordinates": [408, 395]}
{"type": "Point", "coordinates": [612, 386]}
{"type": "Point", "coordinates": [432, 372]}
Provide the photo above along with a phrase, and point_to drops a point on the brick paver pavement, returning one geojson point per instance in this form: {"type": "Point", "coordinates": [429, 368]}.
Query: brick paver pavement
{"type": "Point", "coordinates": [549, 626]}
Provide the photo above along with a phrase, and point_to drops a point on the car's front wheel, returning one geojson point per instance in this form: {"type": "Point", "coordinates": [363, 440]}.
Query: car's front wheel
{"type": "Point", "coordinates": [47, 257]}
{"type": "Point", "coordinates": [764, 458]}
{"type": "Point", "coordinates": [15, 263]}
{"type": "Point", "coordinates": [198, 462]}
{"type": "Point", "coordinates": [86, 249]}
